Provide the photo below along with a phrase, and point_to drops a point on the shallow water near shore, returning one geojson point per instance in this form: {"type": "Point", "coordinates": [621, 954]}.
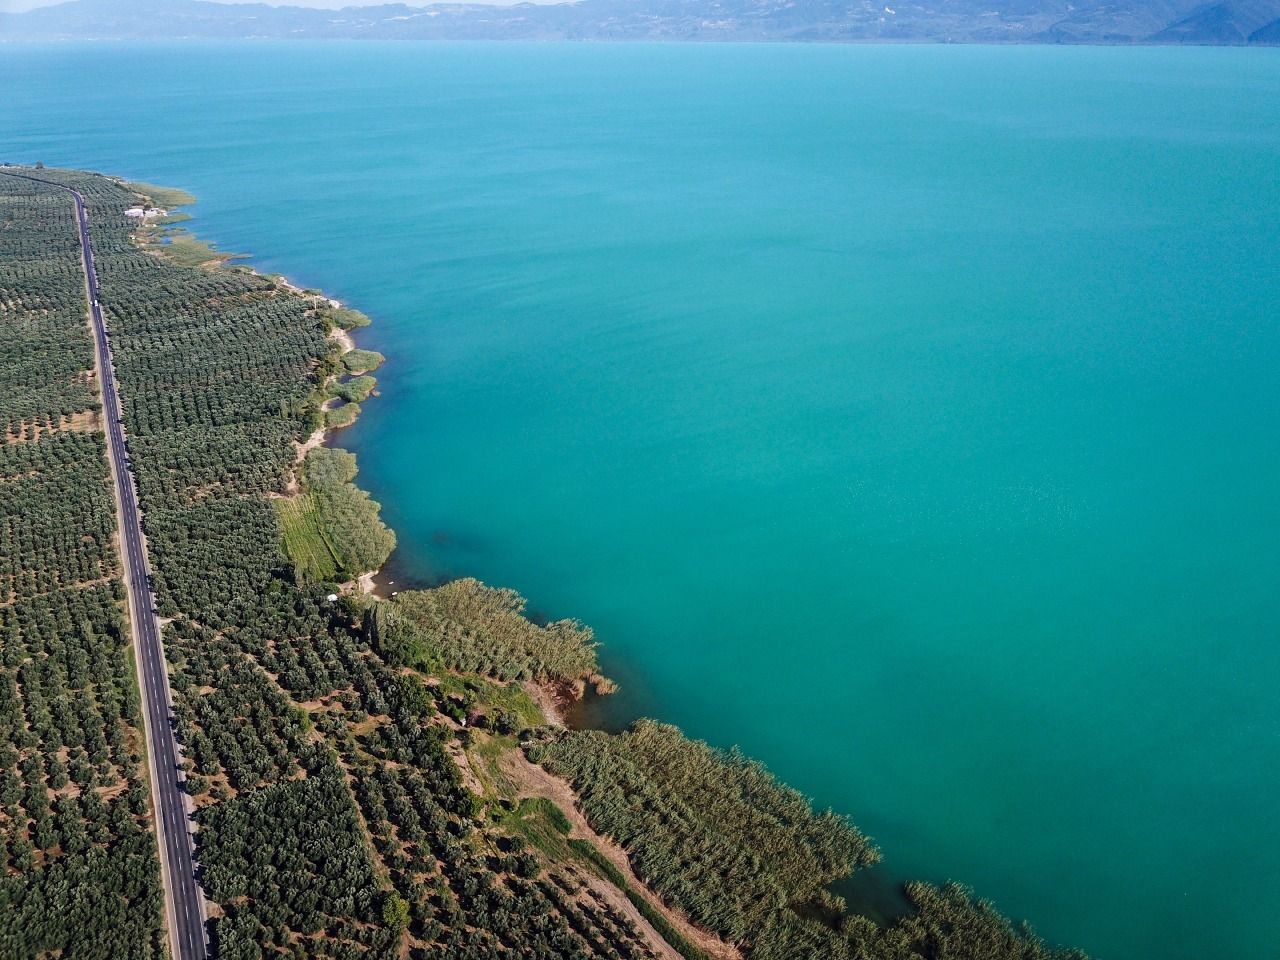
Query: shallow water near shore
{"type": "Point", "coordinates": [905, 415]}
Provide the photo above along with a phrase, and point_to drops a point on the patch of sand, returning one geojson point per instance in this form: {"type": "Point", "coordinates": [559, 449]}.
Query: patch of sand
{"type": "Point", "coordinates": [344, 338]}
{"type": "Point", "coordinates": [547, 701]}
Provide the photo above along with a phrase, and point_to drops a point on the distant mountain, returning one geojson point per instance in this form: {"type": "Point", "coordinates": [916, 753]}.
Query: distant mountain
{"type": "Point", "coordinates": [1234, 21]}
{"type": "Point", "coordinates": [1270, 34]}
{"type": "Point", "coordinates": [954, 21]}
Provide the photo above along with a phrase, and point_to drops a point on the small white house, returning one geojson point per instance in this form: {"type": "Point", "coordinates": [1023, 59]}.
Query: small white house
{"type": "Point", "coordinates": [145, 213]}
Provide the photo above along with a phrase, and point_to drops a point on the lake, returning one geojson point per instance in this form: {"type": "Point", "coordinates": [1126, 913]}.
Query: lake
{"type": "Point", "coordinates": [906, 415]}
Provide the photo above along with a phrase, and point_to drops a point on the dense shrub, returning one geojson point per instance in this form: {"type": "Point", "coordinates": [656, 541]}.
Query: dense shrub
{"type": "Point", "coordinates": [467, 626]}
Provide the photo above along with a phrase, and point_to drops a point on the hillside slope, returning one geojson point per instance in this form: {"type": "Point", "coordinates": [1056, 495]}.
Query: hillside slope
{"type": "Point", "coordinates": [952, 21]}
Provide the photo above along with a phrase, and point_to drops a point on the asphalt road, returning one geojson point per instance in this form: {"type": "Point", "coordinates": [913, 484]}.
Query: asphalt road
{"type": "Point", "coordinates": [184, 899]}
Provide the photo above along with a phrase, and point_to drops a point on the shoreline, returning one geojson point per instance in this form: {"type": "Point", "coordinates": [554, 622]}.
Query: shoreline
{"type": "Point", "coordinates": [367, 582]}
{"type": "Point", "coordinates": [882, 897]}
{"type": "Point", "coordinates": [558, 700]}
{"type": "Point", "coordinates": [566, 705]}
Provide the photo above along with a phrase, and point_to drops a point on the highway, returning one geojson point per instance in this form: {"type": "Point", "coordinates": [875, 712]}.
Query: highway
{"type": "Point", "coordinates": [184, 899]}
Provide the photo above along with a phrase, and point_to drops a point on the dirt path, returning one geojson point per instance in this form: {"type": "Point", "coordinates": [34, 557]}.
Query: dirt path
{"type": "Point", "coordinates": [618, 901]}
{"type": "Point", "coordinates": [534, 781]}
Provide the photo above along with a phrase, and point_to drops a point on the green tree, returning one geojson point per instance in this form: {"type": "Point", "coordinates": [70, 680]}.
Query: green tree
{"type": "Point", "coordinates": [395, 912]}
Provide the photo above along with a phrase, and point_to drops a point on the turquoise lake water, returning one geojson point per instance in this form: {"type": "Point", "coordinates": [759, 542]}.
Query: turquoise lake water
{"type": "Point", "coordinates": [906, 415]}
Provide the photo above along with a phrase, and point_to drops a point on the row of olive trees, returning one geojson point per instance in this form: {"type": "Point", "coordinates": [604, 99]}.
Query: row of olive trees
{"type": "Point", "coordinates": [46, 352]}
{"type": "Point", "coordinates": [79, 876]}
{"type": "Point", "coordinates": [60, 517]}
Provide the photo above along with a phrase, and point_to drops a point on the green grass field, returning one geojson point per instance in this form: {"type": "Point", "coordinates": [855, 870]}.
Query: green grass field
{"type": "Point", "coordinates": [305, 541]}
{"type": "Point", "coordinates": [495, 697]}
{"type": "Point", "coordinates": [543, 825]}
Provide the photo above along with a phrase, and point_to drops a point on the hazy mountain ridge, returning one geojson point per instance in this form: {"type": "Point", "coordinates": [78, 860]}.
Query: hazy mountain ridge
{"type": "Point", "coordinates": [961, 21]}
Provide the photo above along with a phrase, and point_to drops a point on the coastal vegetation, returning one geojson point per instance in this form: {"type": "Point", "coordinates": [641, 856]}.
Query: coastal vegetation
{"type": "Point", "coordinates": [344, 318]}
{"type": "Point", "coordinates": [347, 517]}
{"type": "Point", "coordinates": [717, 836]}
{"type": "Point", "coordinates": [467, 626]}
{"type": "Point", "coordinates": [353, 763]}
{"type": "Point", "coordinates": [352, 390]}
{"type": "Point", "coordinates": [341, 416]}
{"type": "Point", "coordinates": [356, 362]}
{"type": "Point", "coordinates": [948, 922]}
{"type": "Point", "coordinates": [184, 249]}
{"type": "Point", "coordinates": [166, 197]}
{"type": "Point", "coordinates": [712, 833]}
{"type": "Point", "coordinates": [79, 873]}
